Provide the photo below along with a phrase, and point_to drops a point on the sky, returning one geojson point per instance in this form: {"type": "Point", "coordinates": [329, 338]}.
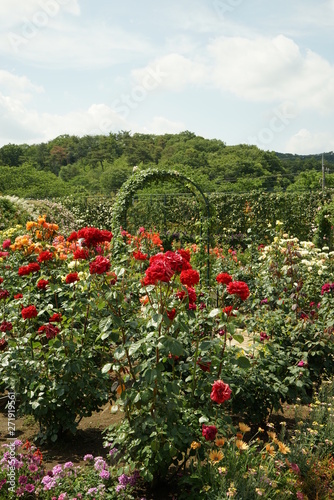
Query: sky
{"type": "Point", "coordinates": [243, 71]}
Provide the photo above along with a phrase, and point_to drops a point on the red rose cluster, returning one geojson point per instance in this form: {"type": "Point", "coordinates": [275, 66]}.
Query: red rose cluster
{"type": "Point", "coordinates": [44, 256]}
{"type": "Point", "coordinates": [139, 255]}
{"type": "Point", "coordinates": [42, 284]}
{"type": "Point", "coordinates": [224, 278]}
{"type": "Point", "coordinates": [81, 254]}
{"type": "Point", "coordinates": [33, 267]}
{"type": "Point", "coordinates": [4, 294]}
{"type": "Point", "coordinates": [29, 312]}
{"type": "Point", "coordinates": [50, 331]}
{"type": "Point", "coordinates": [239, 288]}
{"type": "Point", "coordinates": [72, 278]}
{"type": "Point", "coordinates": [93, 236]}
{"type": "Point", "coordinates": [327, 288]}
{"type": "Point", "coordinates": [6, 326]}
{"type": "Point", "coordinates": [220, 392]}
{"type": "Point", "coordinates": [189, 277]}
{"type": "Point", "coordinates": [99, 265]}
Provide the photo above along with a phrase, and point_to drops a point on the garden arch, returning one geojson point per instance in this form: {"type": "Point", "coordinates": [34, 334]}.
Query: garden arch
{"type": "Point", "coordinates": [138, 180]}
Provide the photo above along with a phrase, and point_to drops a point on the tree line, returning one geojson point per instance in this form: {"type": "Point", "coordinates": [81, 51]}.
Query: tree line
{"type": "Point", "coordinates": [100, 164]}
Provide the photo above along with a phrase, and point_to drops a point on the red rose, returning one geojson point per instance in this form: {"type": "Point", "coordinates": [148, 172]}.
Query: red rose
{"type": "Point", "coordinates": [81, 253]}
{"type": "Point", "coordinates": [6, 244]}
{"type": "Point", "coordinates": [238, 288]}
{"type": "Point", "coordinates": [73, 236]}
{"type": "Point", "coordinates": [18, 296]}
{"type": "Point", "coordinates": [204, 365]}
{"type": "Point", "coordinates": [4, 294]}
{"type": "Point", "coordinates": [3, 344]}
{"type": "Point", "coordinates": [185, 254]}
{"type": "Point", "coordinates": [29, 312]}
{"type": "Point", "coordinates": [42, 284]}
{"type": "Point", "coordinates": [55, 318]}
{"type": "Point", "coordinates": [171, 314]}
{"type": "Point", "coordinates": [228, 310]}
{"type": "Point", "coordinates": [33, 267]}
{"type": "Point", "coordinates": [181, 294]}
{"type": "Point", "coordinates": [1, 280]}
{"type": "Point", "coordinates": [6, 326]}
{"type": "Point", "coordinates": [189, 277]}
{"type": "Point", "coordinates": [93, 236]}
{"type": "Point", "coordinates": [192, 295]}
{"type": "Point", "coordinates": [174, 260]}
{"type": "Point", "coordinates": [44, 256]}
{"type": "Point", "coordinates": [139, 255]}
{"type": "Point", "coordinates": [49, 330]}
{"type": "Point", "coordinates": [209, 432]}
{"type": "Point", "coordinates": [99, 265]}
{"type": "Point", "coordinates": [72, 278]}
{"type": "Point", "coordinates": [4, 254]}
{"type": "Point", "coordinates": [220, 392]}
{"type": "Point", "coordinates": [159, 270]}
{"type": "Point", "coordinates": [224, 278]}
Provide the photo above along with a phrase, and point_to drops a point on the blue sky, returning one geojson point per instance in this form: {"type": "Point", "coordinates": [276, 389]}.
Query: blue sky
{"type": "Point", "coordinates": [243, 71]}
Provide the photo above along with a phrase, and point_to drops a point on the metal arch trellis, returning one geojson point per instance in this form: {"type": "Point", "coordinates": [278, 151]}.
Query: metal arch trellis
{"type": "Point", "coordinates": [137, 181]}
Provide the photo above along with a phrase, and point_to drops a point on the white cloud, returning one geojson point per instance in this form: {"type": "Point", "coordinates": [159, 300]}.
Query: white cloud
{"type": "Point", "coordinates": [161, 125]}
{"type": "Point", "coordinates": [17, 87]}
{"type": "Point", "coordinates": [260, 70]}
{"type": "Point", "coordinates": [307, 142]}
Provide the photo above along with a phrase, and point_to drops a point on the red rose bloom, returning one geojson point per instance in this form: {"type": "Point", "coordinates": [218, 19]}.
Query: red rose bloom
{"type": "Point", "coordinates": [189, 277]}
{"type": "Point", "coordinates": [185, 254]}
{"type": "Point", "coordinates": [174, 260]}
{"type": "Point", "coordinates": [192, 295]}
{"type": "Point", "coordinates": [209, 432]}
{"type": "Point", "coordinates": [93, 236]}
{"type": "Point", "coordinates": [139, 255]}
{"type": "Point", "coordinates": [49, 330]}
{"type": "Point", "coordinates": [42, 284]}
{"type": "Point", "coordinates": [44, 256]}
{"type": "Point", "coordinates": [159, 270]}
{"type": "Point", "coordinates": [81, 254]}
{"type": "Point", "coordinates": [6, 244]}
{"type": "Point", "coordinates": [4, 294]}
{"type": "Point", "coordinates": [72, 278]}
{"type": "Point", "coordinates": [1, 280]}
{"type": "Point", "coordinates": [99, 265]}
{"type": "Point", "coordinates": [220, 392]}
{"type": "Point", "coordinates": [238, 288]}
{"type": "Point", "coordinates": [224, 278]}
{"type": "Point", "coordinates": [4, 254]}
{"type": "Point", "coordinates": [73, 236]}
{"type": "Point", "coordinates": [171, 314]}
{"type": "Point", "coordinates": [29, 312]}
{"type": "Point", "coordinates": [30, 268]}
{"type": "Point", "coordinates": [55, 318]}
{"type": "Point", "coordinates": [6, 326]}
{"type": "Point", "coordinates": [181, 294]}
{"type": "Point", "coordinates": [228, 310]}
{"type": "Point", "coordinates": [3, 344]}
{"type": "Point", "coordinates": [18, 296]}
{"type": "Point", "coordinates": [204, 365]}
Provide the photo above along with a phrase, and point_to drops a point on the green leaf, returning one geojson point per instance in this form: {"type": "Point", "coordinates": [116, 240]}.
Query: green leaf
{"type": "Point", "coordinates": [106, 368]}
{"type": "Point", "coordinates": [243, 362]}
{"type": "Point", "coordinates": [239, 338]}
{"type": "Point", "coordinates": [214, 313]}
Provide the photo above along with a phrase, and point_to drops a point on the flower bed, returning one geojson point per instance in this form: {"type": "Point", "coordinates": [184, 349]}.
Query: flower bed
{"type": "Point", "coordinates": [93, 317]}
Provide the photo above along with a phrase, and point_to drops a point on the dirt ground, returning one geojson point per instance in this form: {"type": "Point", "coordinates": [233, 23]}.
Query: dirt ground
{"type": "Point", "coordinates": [88, 439]}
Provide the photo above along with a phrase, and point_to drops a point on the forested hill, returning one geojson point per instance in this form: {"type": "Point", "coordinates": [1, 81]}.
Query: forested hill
{"type": "Point", "coordinates": [100, 164]}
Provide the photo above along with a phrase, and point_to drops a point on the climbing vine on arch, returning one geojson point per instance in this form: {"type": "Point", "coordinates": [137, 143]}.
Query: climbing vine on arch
{"type": "Point", "coordinates": [139, 180]}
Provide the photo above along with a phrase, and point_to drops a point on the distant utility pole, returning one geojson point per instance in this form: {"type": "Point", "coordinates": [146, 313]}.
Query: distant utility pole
{"type": "Point", "coordinates": [323, 172]}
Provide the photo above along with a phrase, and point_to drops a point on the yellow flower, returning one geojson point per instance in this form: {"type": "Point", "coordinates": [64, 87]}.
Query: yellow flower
{"type": "Point", "coordinates": [241, 445]}
{"type": "Point", "coordinates": [283, 448]}
{"type": "Point", "coordinates": [194, 445]}
{"type": "Point", "coordinates": [243, 427]}
{"type": "Point", "coordinates": [260, 429]}
{"type": "Point", "coordinates": [216, 456]}
{"type": "Point", "coordinates": [271, 450]}
{"type": "Point", "coordinates": [272, 436]}
{"type": "Point", "coordinates": [220, 442]}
